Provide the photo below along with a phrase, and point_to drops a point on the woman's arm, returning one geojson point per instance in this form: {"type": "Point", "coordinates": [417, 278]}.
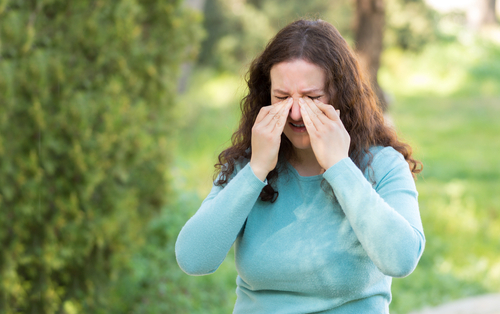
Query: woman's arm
{"type": "Point", "coordinates": [386, 217]}
{"type": "Point", "coordinates": [205, 240]}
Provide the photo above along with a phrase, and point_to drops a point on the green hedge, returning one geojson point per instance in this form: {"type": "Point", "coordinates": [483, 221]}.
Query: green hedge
{"type": "Point", "coordinates": [86, 88]}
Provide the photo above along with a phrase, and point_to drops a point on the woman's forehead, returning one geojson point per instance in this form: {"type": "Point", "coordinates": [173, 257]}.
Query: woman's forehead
{"type": "Point", "coordinates": [298, 75]}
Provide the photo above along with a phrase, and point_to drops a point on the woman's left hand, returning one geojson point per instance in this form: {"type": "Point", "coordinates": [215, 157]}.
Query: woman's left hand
{"type": "Point", "coordinates": [329, 138]}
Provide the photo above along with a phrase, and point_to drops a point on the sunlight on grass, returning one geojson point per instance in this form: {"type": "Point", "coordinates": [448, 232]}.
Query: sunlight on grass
{"type": "Point", "coordinates": [420, 74]}
{"type": "Point", "coordinates": [222, 90]}
{"type": "Point", "coordinates": [443, 70]}
{"type": "Point", "coordinates": [458, 215]}
{"type": "Point", "coordinates": [208, 113]}
{"type": "Point", "coordinates": [447, 104]}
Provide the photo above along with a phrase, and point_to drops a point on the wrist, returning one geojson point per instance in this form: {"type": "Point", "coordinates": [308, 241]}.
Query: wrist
{"type": "Point", "coordinates": [258, 172]}
{"type": "Point", "coordinates": [333, 162]}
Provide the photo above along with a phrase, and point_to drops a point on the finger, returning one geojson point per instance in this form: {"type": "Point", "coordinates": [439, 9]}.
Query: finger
{"type": "Point", "coordinates": [274, 114]}
{"type": "Point", "coordinates": [312, 112]}
{"type": "Point", "coordinates": [280, 124]}
{"type": "Point", "coordinates": [306, 117]}
{"type": "Point", "coordinates": [327, 110]}
{"type": "Point", "coordinates": [281, 103]}
{"type": "Point", "coordinates": [264, 111]}
{"type": "Point", "coordinates": [318, 111]}
{"type": "Point", "coordinates": [314, 107]}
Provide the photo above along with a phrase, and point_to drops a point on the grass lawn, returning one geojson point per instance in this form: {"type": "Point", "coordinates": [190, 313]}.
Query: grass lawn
{"type": "Point", "coordinates": [450, 117]}
{"type": "Point", "coordinates": [457, 140]}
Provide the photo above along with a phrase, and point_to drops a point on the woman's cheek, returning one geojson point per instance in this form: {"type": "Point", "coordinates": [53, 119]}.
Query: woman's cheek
{"type": "Point", "coordinates": [274, 101]}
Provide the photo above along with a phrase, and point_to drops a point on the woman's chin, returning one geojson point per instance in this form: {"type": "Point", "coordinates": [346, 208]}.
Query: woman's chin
{"type": "Point", "coordinates": [299, 141]}
{"type": "Point", "coordinates": [302, 145]}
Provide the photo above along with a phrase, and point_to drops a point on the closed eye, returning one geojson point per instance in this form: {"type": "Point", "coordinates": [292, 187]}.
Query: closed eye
{"type": "Point", "coordinates": [311, 97]}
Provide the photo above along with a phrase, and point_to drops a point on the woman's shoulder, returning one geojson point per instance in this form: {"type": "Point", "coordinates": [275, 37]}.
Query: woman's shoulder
{"type": "Point", "coordinates": [380, 154]}
{"type": "Point", "coordinates": [384, 161]}
{"type": "Point", "coordinates": [386, 155]}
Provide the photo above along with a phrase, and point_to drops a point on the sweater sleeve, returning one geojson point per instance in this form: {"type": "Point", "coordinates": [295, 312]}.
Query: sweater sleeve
{"type": "Point", "coordinates": [384, 217]}
{"type": "Point", "coordinates": [206, 238]}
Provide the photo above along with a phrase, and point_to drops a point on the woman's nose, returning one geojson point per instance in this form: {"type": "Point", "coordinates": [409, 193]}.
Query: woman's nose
{"type": "Point", "coordinates": [295, 111]}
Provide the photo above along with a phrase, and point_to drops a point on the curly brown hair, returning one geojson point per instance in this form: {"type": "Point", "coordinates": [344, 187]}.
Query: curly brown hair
{"type": "Point", "coordinates": [320, 43]}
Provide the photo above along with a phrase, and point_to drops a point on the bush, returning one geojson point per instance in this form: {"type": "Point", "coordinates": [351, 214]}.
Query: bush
{"type": "Point", "coordinates": [86, 88]}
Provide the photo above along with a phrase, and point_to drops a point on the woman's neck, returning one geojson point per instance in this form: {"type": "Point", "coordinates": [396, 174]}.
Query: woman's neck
{"type": "Point", "coordinates": [305, 163]}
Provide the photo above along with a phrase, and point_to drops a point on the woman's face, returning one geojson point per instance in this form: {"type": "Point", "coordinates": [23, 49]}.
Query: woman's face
{"type": "Point", "coordinates": [297, 78]}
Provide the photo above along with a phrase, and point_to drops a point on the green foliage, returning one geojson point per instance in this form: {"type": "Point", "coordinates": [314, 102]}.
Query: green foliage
{"type": "Point", "coordinates": [410, 24]}
{"type": "Point", "coordinates": [158, 285]}
{"type": "Point", "coordinates": [239, 30]}
{"type": "Point", "coordinates": [86, 92]}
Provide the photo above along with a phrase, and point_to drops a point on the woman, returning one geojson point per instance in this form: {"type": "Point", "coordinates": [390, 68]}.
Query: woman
{"type": "Point", "coordinates": [316, 193]}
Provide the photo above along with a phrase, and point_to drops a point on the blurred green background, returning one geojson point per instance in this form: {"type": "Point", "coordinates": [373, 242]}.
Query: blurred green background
{"type": "Point", "coordinates": [112, 114]}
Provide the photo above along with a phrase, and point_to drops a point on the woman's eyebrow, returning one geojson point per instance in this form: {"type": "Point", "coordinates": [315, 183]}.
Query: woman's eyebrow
{"type": "Point", "coordinates": [314, 90]}
{"type": "Point", "coordinates": [279, 91]}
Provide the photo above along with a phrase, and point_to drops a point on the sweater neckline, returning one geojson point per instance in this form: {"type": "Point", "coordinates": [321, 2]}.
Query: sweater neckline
{"type": "Point", "coordinates": [302, 178]}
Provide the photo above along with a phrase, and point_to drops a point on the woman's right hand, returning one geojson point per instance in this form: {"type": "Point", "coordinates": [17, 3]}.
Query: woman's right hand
{"type": "Point", "coordinates": [266, 137]}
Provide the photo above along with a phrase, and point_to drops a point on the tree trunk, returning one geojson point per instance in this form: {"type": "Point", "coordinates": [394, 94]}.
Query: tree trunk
{"type": "Point", "coordinates": [482, 13]}
{"type": "Point", "coordinates": [369, 30]}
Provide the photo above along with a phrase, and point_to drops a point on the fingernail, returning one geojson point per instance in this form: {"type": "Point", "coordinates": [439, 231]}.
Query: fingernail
{"type": "Point", "coordinates": [290, 100]}
{"type": "Point", "coordinates": [301, 101]}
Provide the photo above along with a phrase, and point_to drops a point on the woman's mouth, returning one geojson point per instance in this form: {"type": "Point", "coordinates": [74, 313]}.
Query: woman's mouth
{"type": "Point", "coordinates": [298, 127]}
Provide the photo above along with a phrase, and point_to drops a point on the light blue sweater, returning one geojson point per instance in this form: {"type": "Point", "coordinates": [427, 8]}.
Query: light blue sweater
{"type": "Point", "coordinates": [309, 252]}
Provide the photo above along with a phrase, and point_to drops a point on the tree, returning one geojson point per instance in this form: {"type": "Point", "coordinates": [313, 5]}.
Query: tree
{"type": "Point", "coordinates": [237, 31]}
{"type": "Point", "coordinates": [369, 32]}
{"type": "Point", "coordinates": [86, 92]}
{"type": "Point", "coordinates": [482, 13]}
